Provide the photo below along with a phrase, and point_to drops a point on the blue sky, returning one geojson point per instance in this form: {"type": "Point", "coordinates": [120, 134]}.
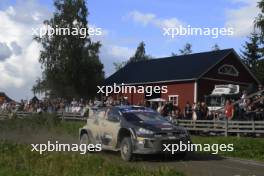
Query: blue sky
{"type": "Point", "coordinates": [126, 23]}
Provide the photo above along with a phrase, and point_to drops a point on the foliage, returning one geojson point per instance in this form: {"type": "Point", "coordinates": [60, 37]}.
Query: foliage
{"type": "Point", "coordinates": [187, 49]}
{"type": "Point", "coordinates": [259, 21]}
{"type": "Point", "coordinates": [119, 65]}
{"type": "Point", "coordinates": [251, 52]}
{"type": "Point", "coordinates": [140, 55]}
{"type": "Point", "coordinates": [71, 65]}
{"type": "Point", "coordinates": [215, 47]}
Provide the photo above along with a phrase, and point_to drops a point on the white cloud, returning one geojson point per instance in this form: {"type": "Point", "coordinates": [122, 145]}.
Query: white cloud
{"type": "Point", "coordinates": [21, 68]}
{"type": "Point", "coordinates": [16, 49]}
{"type": "Point", "coordinates": [111, 53]}
{"type": "Point", "coordinates": [242, 18]}
{"type": "Point", "coordinates": [150, 18]}
{"type": "Point", "coordinates": [112, 50]}
{"type": "Point", "coordinates": [120, 51]}
{"type": "Point", "coordinates": [5, 51]}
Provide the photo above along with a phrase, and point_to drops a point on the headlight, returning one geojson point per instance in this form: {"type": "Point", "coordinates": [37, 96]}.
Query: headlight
{"type": "Point", "coordinates": [143, 131]}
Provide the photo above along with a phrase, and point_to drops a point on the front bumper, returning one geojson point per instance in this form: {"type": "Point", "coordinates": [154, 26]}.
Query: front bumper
{"type": "Point", "coordinates": [156, 145]}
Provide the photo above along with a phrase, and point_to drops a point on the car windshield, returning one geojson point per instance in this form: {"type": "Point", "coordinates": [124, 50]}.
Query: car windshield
{"type": "Point", "coordinates": [142, 116]}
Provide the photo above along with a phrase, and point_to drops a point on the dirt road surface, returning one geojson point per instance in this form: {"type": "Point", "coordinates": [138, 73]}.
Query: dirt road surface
{"type": "Point", "coordinates": [200, 165]}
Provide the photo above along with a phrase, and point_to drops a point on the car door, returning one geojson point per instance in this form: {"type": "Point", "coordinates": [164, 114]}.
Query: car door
{"type": "Point", "coordinates": [93, 124]}
{"type": "Point", "coordinates": [110, 127]}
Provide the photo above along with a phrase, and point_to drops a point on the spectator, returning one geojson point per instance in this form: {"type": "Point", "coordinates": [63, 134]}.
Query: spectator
{"type": "Point", "coordinates": [194, 112]}
{"type": "Point", "coordinates": [187, 111]}
{"type": "Point", "coordinates": [204, 111]}
{"type": "Point", "coordinates": [229, 110]}
{"type": "Point", "coordinates": [198, 111]}
{"type": "Point", "coordinates": [176, 112]}
{"type": "Point", "coordinates": [160, 107]}
{"type": "Point", "coordinates": [165, 110]}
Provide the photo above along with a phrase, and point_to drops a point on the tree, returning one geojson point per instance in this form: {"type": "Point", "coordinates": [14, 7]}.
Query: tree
{"type": "Point", "coordinates": [215, 47]}
{"type": "Point", "coordinates": [140, 54]}
{"type": "Point", "coordinates": [251, 52]}
{"type": "Point", "coordinates": [70, 63]}
{"type": "Point", "coordinates": [187, 49]}
{"type": "Point", "coordinates": [257, 42]}
{"type": "Point", "coordinates": [259, 70]}
{"type": "Point", "coordinates": [251, 56]}
{"type": "Point", "coordinates": [119, 65]}
{"type": "Point", "coordinates": [259, 21]}
{"type": "Point", "coordinates": [173, 54]}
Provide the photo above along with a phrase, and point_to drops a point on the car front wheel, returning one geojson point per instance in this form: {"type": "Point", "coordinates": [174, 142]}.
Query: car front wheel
{"type": "Point", "coordinates": [126, 149]}
{"type": "Point", "coordinates": [85, 139]}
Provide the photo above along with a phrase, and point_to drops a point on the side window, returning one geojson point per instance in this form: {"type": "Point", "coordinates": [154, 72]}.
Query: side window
{"type": "Point", "coordinates": [113, 115]}
{"type": "Point", "coordinates": [100, 114]}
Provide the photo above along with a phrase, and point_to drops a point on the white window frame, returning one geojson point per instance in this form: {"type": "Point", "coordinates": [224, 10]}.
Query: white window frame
{"type": "Point", "coordinates": [230, 74]}
{"type": "Point", "coordinates": [177, 100]}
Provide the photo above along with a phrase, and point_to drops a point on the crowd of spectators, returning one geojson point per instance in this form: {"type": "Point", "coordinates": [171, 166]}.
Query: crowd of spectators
{"type": "Point", "coordinates": [249, 107]}
{"type": "Point", "coordinates": [47, 105]}
{"type": "Point", "coordinates": [195, 111]}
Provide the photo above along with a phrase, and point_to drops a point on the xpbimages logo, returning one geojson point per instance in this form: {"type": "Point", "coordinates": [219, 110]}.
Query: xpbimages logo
{"type": "Point", "coordinates": [57, 30]}
{"type": "Point", "coordinates": [122, 88]}
{"type": "Point", "coordinates": [188, 30]}
{"type": "Point", "coordinates": [58, 147]}
{"type": "Point", "coordinates": [189, 147]}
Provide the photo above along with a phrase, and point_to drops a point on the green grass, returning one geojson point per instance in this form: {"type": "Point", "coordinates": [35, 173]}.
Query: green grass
{"type": "Point", "coordinates": [18, 160]}
{"type": "Point", "coordinates": [244, 147]}
{"type": "Point", "coordinates": [39, 122]}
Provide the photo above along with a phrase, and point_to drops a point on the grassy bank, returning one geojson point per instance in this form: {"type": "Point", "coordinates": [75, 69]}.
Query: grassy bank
{"type": "Point", "coordinates": [42, 122]}
{"type": "Point", "coordinates": [17, 159]}
{"type": "Point", "coordinates": [244, 147]}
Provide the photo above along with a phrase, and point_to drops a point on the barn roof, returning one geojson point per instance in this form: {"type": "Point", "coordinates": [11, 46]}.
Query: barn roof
{"type": "Point", "coordinates": [2, 94]}
{"type": "Point", "coordinates": [183, 67]}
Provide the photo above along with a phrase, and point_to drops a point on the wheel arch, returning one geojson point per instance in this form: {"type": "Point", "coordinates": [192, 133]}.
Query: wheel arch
{"type": "Point", "coordinates": [124, 132]}
{"type": "Point", "coordinates": [84, 131]}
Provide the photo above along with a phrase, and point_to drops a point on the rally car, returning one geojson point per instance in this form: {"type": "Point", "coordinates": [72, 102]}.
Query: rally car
{"type": "Point", "coordinates": [131, 130]}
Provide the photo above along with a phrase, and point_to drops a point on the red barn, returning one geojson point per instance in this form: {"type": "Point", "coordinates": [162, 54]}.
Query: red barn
{"type": "Point", "coordinates": [187, 77]}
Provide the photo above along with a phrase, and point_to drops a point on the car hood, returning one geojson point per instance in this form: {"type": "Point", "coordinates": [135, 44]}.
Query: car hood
{"type": "Point", "coordinates": [157, 125]}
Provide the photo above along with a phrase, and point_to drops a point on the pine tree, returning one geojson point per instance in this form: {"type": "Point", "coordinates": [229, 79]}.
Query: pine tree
{"type": "Point", "coordinates": [187, 49]}
{"type": "Point", "coordinates": [259, 21]}
{"type": "Point", "coordinates": [215, 47]}
{"type": "Point", "coordinates": [140, 54]}
{"type": "Point", "coordinates": [251, 51]}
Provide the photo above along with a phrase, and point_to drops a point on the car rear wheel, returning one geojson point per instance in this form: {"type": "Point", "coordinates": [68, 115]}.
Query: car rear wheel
{"type": "Point", "coordinates": [126, 149]}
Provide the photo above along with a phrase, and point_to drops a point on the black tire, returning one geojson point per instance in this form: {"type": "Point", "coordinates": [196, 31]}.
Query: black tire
{"type": "Point", "coordinates": [126, 149]}
{"type": "Point", "coordinates": [85, 139]}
